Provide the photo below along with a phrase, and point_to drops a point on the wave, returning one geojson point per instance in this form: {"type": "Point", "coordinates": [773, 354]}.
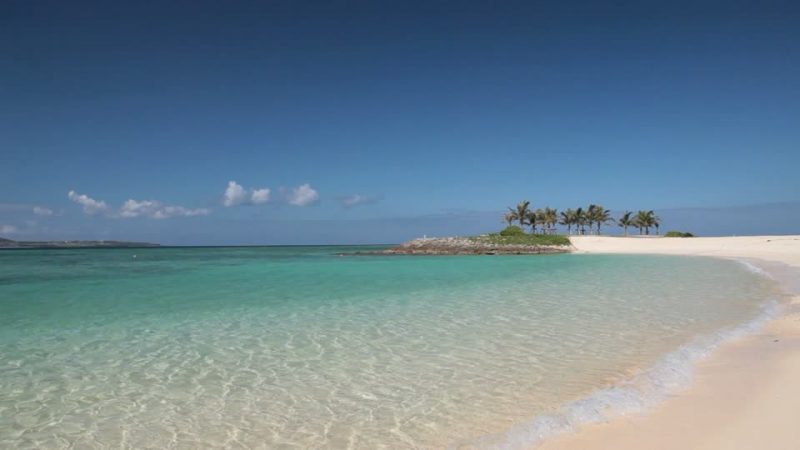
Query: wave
{"type": "Point", "coordinates": [637, 394]}
{"type": "Point", "coordinates": [755, 269]}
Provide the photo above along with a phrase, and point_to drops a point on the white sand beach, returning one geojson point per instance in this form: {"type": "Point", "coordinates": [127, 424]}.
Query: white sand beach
{"type": "Point", "coordinates": [746, 395]}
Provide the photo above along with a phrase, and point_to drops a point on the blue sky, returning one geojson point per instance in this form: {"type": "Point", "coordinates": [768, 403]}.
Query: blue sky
{"type": "Point", "coordinates": [374, 121]}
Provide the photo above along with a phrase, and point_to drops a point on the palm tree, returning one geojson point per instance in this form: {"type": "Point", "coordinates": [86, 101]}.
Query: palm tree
{"type": "Point", "coordinates": [640, 220]}
{"type": "Point", "coordinates": [580, 220]}
{"type": "Point", "coordinates": [656, 222]}
{"type": "Point", "coordinates": [545, 220]}
{"type": "Point", "coordinates": [550, 219]}
{"type": "Point", "coordinates": [537, 218]}
{"type": "Point", "coordinates": [645, 220]}
{"type": "Point", "coordinates": [533, 220]}
{"type": "Point", "coordinates": [568, 219]}
{"type": "Point", "coordinates": [509, 218]}
{"type": "Point", "coordinates": [512, 213]}
{"type": "Point", "coordinates": [625, 221]}
{"type": "Point", "coordinates": [600, 216]}
{"type": "Point", "coordinates": [521, 212]}
{"type": "Point", "coordinates": [652, 220]}
{"type": "Point", "coordinates": [590, 213]}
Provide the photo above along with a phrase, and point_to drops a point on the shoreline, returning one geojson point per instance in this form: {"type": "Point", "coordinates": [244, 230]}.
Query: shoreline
{"type": "Point", "coordinates": [744, 393]}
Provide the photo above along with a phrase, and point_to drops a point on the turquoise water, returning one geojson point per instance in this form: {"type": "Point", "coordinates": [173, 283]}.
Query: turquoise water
{"type": "Point", "coordinates": [299, 347]}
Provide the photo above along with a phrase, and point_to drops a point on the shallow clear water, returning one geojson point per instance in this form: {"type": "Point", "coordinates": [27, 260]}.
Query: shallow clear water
{"type": "Point", "coordinates": [298, 347]}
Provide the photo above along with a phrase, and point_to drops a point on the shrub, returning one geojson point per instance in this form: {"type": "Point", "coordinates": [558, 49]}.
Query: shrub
{"type": "Point", "coordinates": [682, 234]}
{"type": "Point", "coordinates": [524, 239]}
{"type": "Point", "coordinates": [512, 230]}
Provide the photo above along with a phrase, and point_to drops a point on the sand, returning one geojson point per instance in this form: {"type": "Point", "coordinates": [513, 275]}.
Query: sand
{"type": "Point", "coordinates": [746, 395]}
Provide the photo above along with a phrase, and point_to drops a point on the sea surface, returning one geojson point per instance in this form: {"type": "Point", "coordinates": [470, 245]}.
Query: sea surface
{"type": "Point", "coordinates": [308, 347]}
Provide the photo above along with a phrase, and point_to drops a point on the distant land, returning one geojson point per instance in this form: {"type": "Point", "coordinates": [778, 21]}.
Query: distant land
{"type": "Point", "coordinates": [8, 243]}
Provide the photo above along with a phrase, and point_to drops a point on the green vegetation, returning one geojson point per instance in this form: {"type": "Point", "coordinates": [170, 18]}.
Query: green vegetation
{"type": "Point", "coordinates": [513, 230]}
{"type": "Point", "coordinates": [681, 234]}
{"type": "Point", "coordinates": [543, 221]}
{"type": "Point", "coordinates": [515, 235]}
{"type": "Point", "coordinates": [523, 239]}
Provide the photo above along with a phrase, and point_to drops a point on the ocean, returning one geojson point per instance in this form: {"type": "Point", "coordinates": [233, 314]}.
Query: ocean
{"type": "Point", "coordinates": [314, 347]}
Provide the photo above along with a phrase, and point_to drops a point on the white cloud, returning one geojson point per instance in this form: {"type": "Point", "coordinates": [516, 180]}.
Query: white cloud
{"type": "Point", "coordinates": [179, 211]}
{"type": "Point", "coordinates": [302, 195]}
{"type": "Point", "coordinates": [153, 209]}
{"type": "Point", "coordinates": [358, 199]}
{"type": "Point", "coordinates": [134, 208]}
{"type": "Point", "coordinates": [7, 229]}
{"type": "Point", "coordinates": [42, 211]}
{"type": "Point", "coordinates": [234, 194]}
{"type": "Point", "coordinates": [260, 196]}
{"type": "Point", "coordinates": [157, 210]}
{"type": "Point", "coordinates": [90, 205]}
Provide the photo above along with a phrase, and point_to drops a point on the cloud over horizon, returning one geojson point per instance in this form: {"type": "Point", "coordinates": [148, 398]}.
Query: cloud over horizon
{"type": "Point", "coordinates": [303, 195]}
{"type": "Point", "coordinates": [42, 211]}
{"type": "Point", "coordinates": [152, 209]}
{"type": "Point", "coordinates": [259, 196]}
{"type": "Point", "coordinates": [359, 199]}
{"type": "Point", "coordinates": [236, 194]}
{"type": "Point", "coordinates": [90, 205]}
{"type": "Point", "coordinates": [157, 210]}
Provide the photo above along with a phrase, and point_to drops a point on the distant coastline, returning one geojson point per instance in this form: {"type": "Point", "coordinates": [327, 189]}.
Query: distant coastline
{"type": "Point", "coordinates": [11, 244]}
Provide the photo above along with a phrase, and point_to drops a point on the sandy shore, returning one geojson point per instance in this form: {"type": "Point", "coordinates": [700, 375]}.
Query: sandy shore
{"type": "Point", "coordinates": [746, 395]}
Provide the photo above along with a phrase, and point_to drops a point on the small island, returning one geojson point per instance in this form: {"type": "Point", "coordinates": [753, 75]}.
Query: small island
{"type": "Point", "coordinates": [544, 237]}
{"type": "Point", "coordinates": [11, 244]}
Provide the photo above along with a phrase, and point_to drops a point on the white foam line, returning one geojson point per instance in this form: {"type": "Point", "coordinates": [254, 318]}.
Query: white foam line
{"type": "Point", "coordinates": [755, 269]}
{"type": "Point", "coordinates": [637, 394]}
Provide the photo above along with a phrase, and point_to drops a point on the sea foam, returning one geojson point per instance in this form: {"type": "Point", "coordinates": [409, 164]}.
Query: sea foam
{"type": "Point", "coordinates": [755, 269]}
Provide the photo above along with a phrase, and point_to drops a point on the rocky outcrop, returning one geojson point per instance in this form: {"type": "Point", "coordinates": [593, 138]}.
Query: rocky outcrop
{"type": "Point", "coordinates": [471, 246]}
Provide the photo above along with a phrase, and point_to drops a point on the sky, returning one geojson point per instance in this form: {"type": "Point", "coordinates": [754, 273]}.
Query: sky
{"type": "Point", "coordinates": [213, 123]}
